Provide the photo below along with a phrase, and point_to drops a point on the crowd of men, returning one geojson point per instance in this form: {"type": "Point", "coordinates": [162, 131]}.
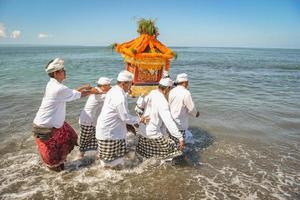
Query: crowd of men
{"type": "Point", "coordinates": [161, 120]}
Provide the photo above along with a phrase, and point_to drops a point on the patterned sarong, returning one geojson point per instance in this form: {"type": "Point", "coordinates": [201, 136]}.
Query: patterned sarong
{"type": "Point", "coordinates": [87, 140]}
{"type": "Point", "coordinates": [176, 140]}
{"type": "Point", "coordinates": [111, 149]}
{"type": "Point", "coordinates": [54, 151]}
{"type": "Point", "coordinates": [159, 147]}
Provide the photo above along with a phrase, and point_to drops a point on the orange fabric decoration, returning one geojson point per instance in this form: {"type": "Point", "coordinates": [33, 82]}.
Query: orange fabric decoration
{"type": "Point", "coordinates": [145, 46]}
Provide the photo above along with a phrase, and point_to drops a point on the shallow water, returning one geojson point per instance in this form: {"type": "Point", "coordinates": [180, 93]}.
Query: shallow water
{"type": "Point", "coordinates": [248, 135]}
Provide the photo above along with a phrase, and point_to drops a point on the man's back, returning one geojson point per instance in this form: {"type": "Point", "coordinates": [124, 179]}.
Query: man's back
{"type": "Point", "coordinates": [181, 104]}
{"type": "Point", "coordinates": [53, 107]}
{"type": "Point", "coordinates": [109, 122]}
{"type": "Point", "coordinates": [156, 101]}
{"type": "Point", "coordinates": [92, 109]}
{"type": "Point", "coordinates": [160, 117]}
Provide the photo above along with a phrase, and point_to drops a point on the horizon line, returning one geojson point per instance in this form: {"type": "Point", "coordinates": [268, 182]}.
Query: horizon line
{"type": "Point", "coordinates": [171, 46]}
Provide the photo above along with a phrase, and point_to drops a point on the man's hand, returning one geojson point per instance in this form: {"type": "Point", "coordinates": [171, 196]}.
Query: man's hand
{"type": "Point", "coordinates": [85, 92]}
{"type": "Point", "coordinates": [181, 144]}
{"type": "Point", "coordinates": [84, 87]}
{"type": "Point", "coordinates": [145, 119]}
{"type": "Point", "coordinates": [97, 91]}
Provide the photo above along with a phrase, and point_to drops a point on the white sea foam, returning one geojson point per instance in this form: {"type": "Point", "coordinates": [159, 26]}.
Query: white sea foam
{"type": "Point", "coordinates": [240, 172]}
{"type": "Point", "coordinates": [229, 182]}
{"type": "Point", "coordinates": [244, 169]}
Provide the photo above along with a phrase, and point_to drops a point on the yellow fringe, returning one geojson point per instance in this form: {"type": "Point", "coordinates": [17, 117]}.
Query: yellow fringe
{"type": "Point", "coordinates": [137, 91]}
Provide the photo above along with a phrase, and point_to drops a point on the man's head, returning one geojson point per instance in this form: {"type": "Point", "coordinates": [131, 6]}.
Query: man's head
{"type": "Point", "coordinates": [104, 83]}
{"type": "Point", "coordinates": [124, 80]}
{"type": "Point", "coordinates": [55, 69]}
{"type": "Point", "coordinates": [182, 79]}
{"type": "Point", "coordinates": [165, 85]}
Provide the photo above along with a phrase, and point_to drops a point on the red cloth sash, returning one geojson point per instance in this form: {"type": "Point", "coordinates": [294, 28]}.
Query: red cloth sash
{"type": "Point", "coordinates": [54, 151]}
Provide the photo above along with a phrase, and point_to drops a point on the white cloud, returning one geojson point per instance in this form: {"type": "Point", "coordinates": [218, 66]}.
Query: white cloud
{"type": "Point", "coordinates": [43, 35]}
{"type": "Point", "coordinates": [15, 34]}
{"type": "Point", "coordinates": [2, 31]}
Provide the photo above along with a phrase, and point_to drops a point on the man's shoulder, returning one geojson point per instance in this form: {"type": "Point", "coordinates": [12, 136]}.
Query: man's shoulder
{"type": "Point", "coordinates": [54, 83]}
{"type": "Point", "coordinates": [115, 94]}
{"type": "Point", "coordinates": [55, 86]}
{"type": "Point", "coordinates": [178, 90]}
{"type": "Point", "coordinates": [114, 91]}
{"type": "Point", "coordinates": [159, 99]}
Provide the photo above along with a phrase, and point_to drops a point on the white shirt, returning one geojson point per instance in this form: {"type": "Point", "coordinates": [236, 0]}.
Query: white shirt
{"type": "Point", "coordinates": [111, 123]}
{"type": "Point", "coordinates": [52, 111]}
{"type": "Point", "coordinates": [92, 109]}
{"type": "Point", "coordinates": [181, 105]}
{"type": "Point", "coordinates": [157, 108]}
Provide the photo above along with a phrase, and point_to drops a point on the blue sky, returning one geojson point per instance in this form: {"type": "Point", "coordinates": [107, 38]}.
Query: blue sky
{"type": "Point", "coordinates": [203, 23]}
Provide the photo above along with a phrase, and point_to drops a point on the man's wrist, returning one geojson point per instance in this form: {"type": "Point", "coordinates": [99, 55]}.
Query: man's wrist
{"type": "Point", "coordinates": [141, 119]}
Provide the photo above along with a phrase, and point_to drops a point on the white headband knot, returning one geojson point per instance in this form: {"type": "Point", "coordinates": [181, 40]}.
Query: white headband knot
{"type": "Point", "coordinates": [55, 65]}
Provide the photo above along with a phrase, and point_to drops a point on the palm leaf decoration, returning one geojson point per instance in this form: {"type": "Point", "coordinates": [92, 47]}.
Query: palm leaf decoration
{"type": "Point", "coordinates": [147, 26]}
{"type": "Point", "coordinates": [146, 50]}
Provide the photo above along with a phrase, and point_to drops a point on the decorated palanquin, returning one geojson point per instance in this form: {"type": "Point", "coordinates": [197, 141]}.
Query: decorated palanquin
{"type": "Point", "coordinates": [146, 57]}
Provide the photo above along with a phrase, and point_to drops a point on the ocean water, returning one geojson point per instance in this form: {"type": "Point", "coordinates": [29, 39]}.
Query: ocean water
{"type": "Point", "coordinates": [247, 137]}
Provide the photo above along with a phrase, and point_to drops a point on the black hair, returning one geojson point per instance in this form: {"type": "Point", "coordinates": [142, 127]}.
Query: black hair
{"type": "Point", "coordinates": [162, 87]}
{"type": "Point", "coordinates": [180, 83]}
{"type": "Point", "coordinates": [119, 82]}
{"type": "Point", "coordinates": [51, 74]}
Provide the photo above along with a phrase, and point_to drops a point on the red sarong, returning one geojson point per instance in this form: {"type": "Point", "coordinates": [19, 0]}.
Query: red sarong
{"type": "Point", "coordinates": [55, 150]}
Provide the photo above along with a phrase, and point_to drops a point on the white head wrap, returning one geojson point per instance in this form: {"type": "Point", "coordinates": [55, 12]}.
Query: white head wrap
{"type": "Point", "coordinates": [104, 81]}
{"type": "Point", "coordinates": [182, 78]}
{"type": "Point", "coordinates": [167, 82]}
{"type": "Point", "coordinates": [56, 65]}
{"type": "Point", "coordinates": [125, 76]}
